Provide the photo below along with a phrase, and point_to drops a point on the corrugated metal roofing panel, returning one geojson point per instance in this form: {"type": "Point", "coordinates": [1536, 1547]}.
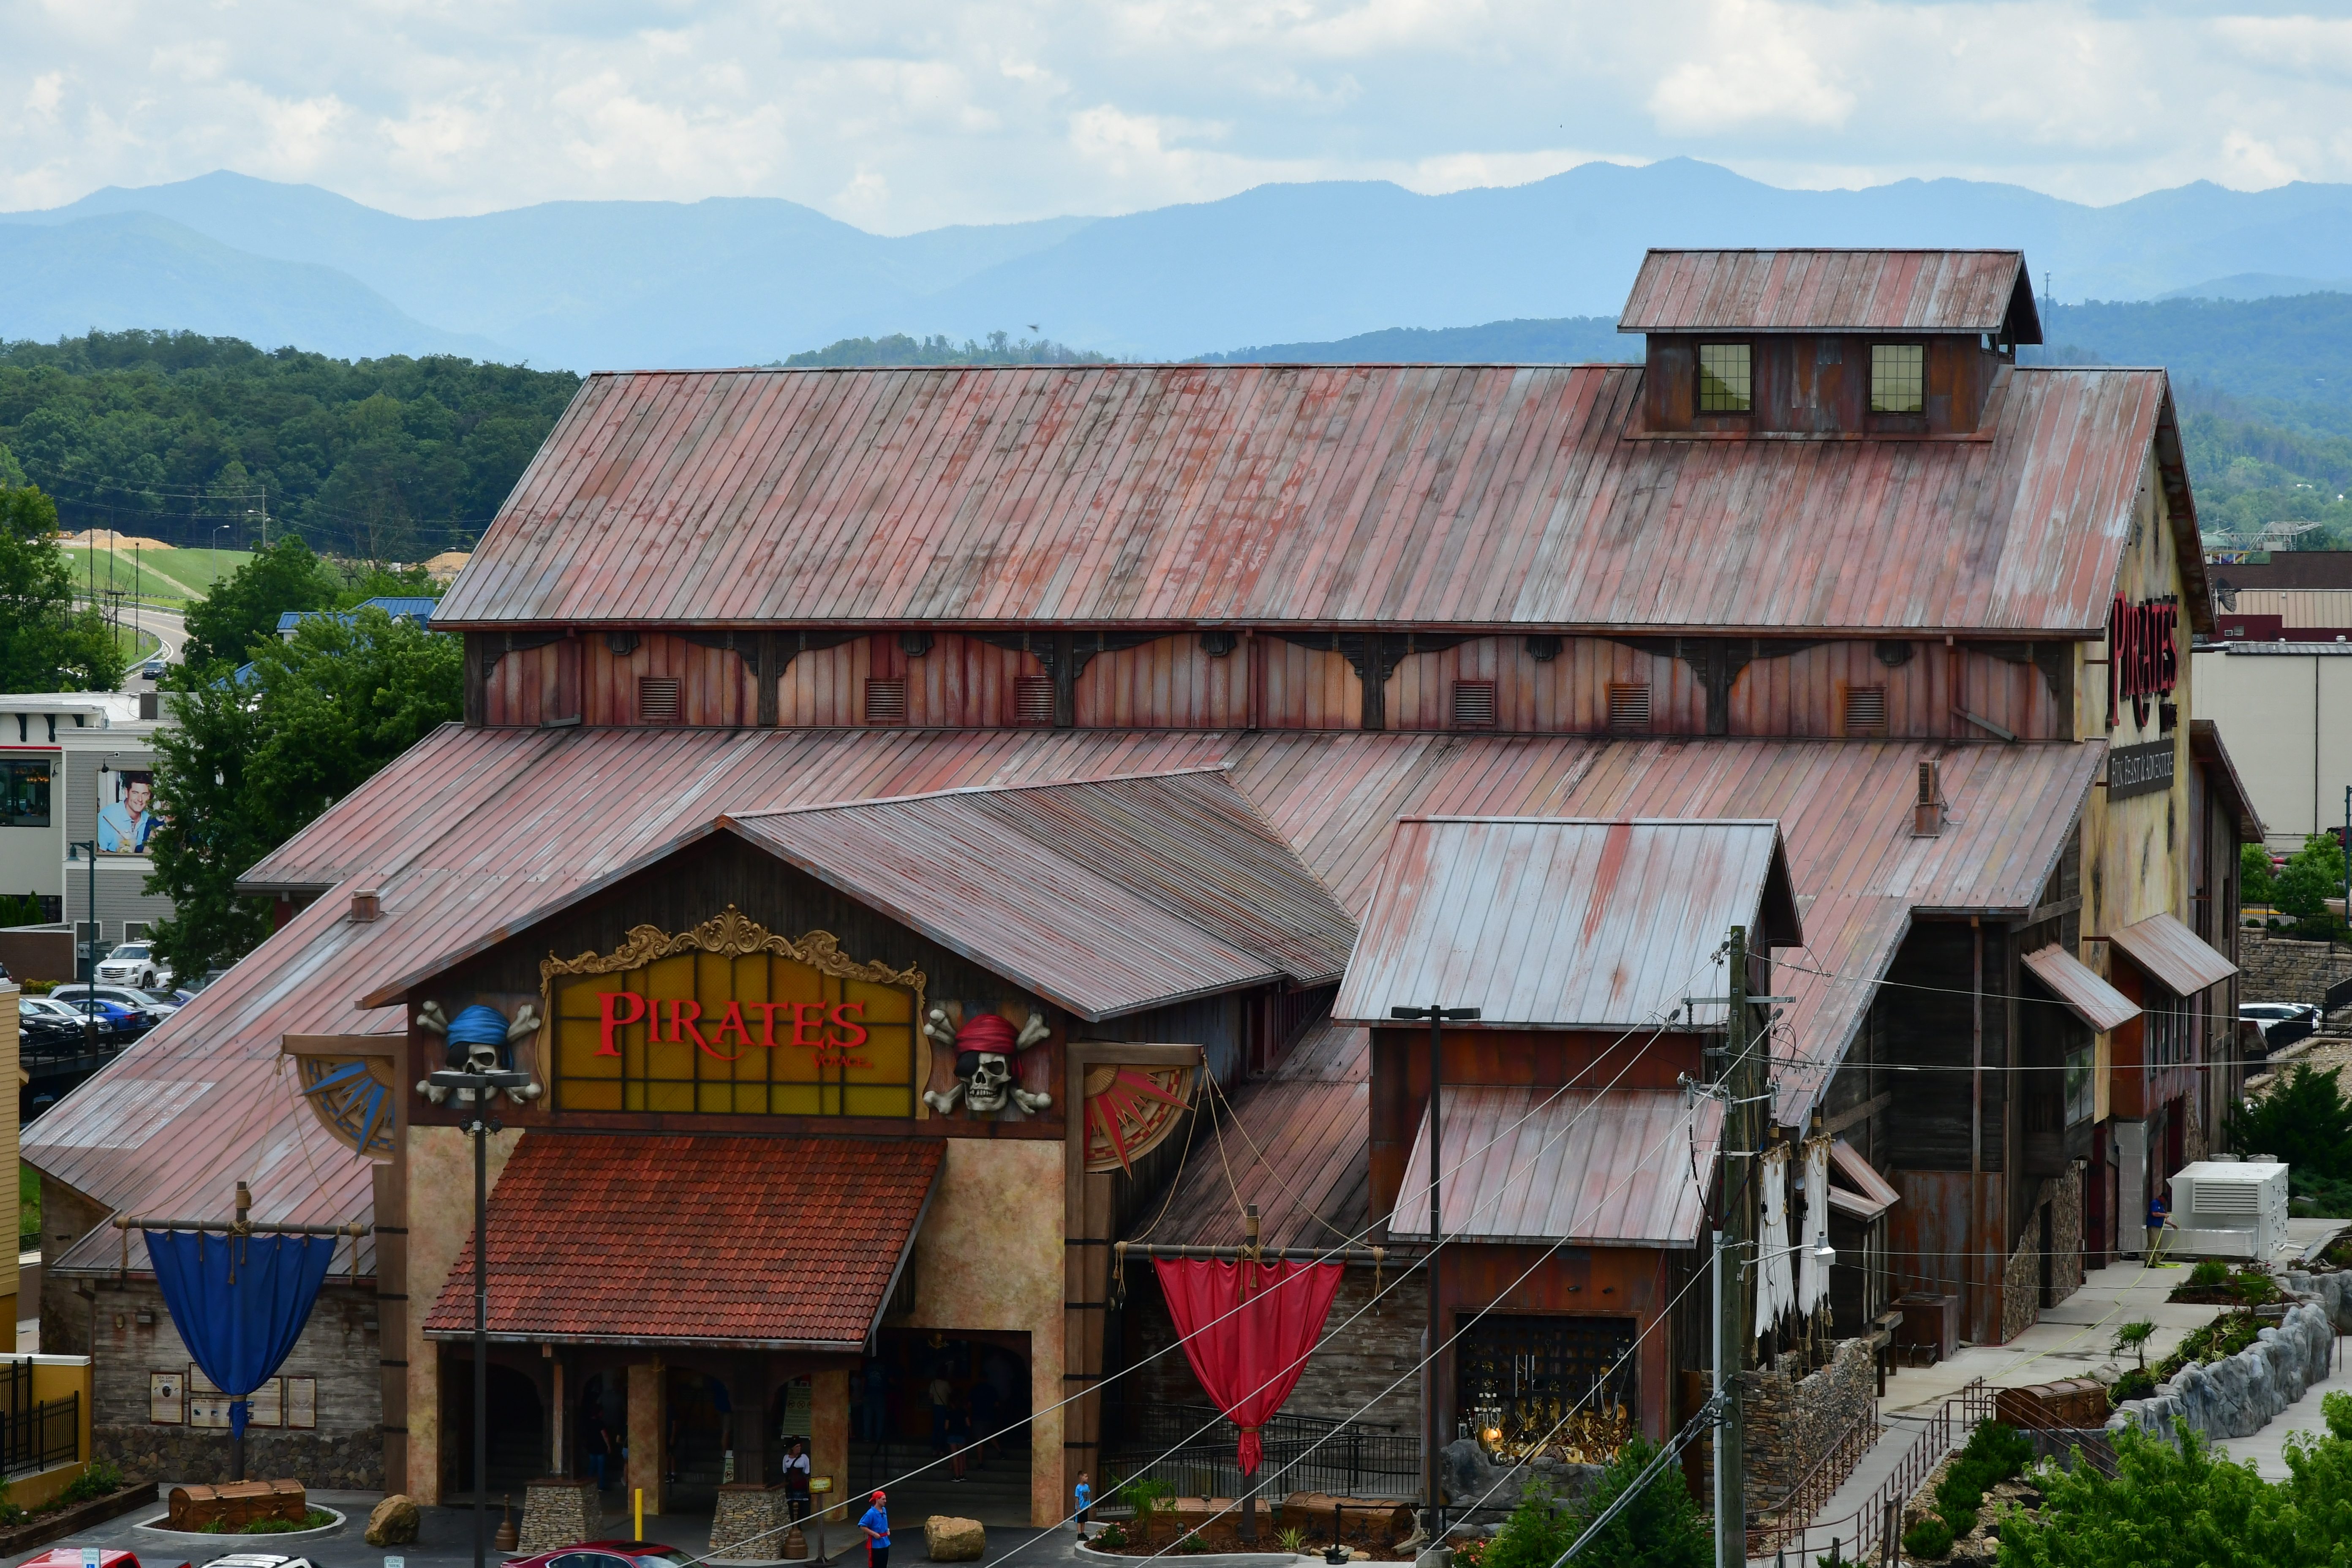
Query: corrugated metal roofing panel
{"type": "Point", "coordinates": [472, 831]}
{"type": "Point", "coordinates": [1562, 924]}
{"type": "Point", "coordinates": [790, 1243]}
{"type": "Point", "coordinates": [2086, 993]}
{"type": "Point", "coordinates": [2173, 953]}
{"type": "Point", "coordinates": [1526, 1163]}
{"type": "Point", "coordinates": [1871, 1194]}
{"type": "Point", "coordinates": [1507, 497]}
{"type": "Point", "coordinates": [1810, 290]}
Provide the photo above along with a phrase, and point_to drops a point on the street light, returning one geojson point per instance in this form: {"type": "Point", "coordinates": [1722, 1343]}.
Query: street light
{"type": "Point", "coordinates": [479, 1087]}
{"type": "Point", "coordinates": [1437, 1018]}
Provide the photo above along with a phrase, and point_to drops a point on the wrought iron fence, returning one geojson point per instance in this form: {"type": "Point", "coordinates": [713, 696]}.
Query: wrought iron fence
{"type": "Point", "coordinates": [1195, 1449]}
{"type": "Point", "coordinates": [35, 1435]}
{"type": "Point", "coordinates": [1786, 1522]}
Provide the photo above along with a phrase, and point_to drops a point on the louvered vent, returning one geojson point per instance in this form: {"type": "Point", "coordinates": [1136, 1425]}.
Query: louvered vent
{"type": "Point", "coordinates": [1033, 700]}
{"type": "Point", "coordinates": [657, 699]}
{"type": "Point", "coordinates": [1474, 704]}
{"type": "Point", "coordinates": [1865, 710]}
{"type": "Point", "coordinates": [2228, 1198]}
{"type": "Point", "coordinates": [1629, 707]}
{"type": "Point", "coordinates": [886, 700]}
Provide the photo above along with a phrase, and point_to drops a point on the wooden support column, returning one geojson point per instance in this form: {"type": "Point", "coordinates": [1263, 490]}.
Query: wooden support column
{"type": "Point", "coordinates": [769, 670]}
{"type": "Point", "coordinates": [391, 1180]}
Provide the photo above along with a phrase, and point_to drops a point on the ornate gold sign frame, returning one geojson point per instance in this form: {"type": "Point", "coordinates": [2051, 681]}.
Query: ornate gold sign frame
{"type": "Point", "coordinates": [731, 933]}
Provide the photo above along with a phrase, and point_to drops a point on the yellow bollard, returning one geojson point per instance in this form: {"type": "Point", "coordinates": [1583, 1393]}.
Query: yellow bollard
{"type": "Point", "coordinates": [637, 1513]}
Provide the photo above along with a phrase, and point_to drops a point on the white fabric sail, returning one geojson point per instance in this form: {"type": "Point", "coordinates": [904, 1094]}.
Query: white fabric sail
{"type": "Point", "coordinates": [1812, 1274]}
{"type": "Point", "coordinates": [1775, 1290]}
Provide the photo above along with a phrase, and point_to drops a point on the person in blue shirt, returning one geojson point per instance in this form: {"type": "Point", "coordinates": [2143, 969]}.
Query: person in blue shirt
{"type": "Point", "coordinates": [1085, 1493]}
{"type": "Point", "coordinates": [876, 1523]}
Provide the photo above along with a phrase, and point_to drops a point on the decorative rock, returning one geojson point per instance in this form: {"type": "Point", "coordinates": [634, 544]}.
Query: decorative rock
{"type": "Point", "coordinates": [394, 1522]}
{"type": "Point", "coordinates": [1487, 1492]}
{"type": "Point", "coordinates": [2237, 1396]}
{"type": "Point", "coordinates": [953, 1540]}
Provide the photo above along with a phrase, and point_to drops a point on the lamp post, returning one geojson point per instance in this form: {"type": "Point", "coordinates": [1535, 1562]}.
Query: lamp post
{"type": "Point", "coordinates": [1437, 1018]}
{"type": "Point", "coordinates": [479, 1086]}
{"type": "Point", "coordinates": [88, 848]}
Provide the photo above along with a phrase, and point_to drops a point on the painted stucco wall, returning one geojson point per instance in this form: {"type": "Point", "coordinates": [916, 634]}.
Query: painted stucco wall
{"type": "Point", "coordinates": [440, 1168]}
{"type": "Point", "coordinates": [990, 1256]}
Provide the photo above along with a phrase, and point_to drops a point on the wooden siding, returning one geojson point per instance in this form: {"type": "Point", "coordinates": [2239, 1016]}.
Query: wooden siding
{"type": "Point", "coordinates": [582, 677]}
{"type": "Point", "coordinates": [1808, 383]}
{"type": "Point", "coordinates": [1172, 683]}
{"type": "Point", "coordinates": [1566, 694]}
{"type": "Point", "coordinates": [960, 682]}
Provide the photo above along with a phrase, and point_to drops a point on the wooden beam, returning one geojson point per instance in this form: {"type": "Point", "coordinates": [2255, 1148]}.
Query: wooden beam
{"type": "Point", "coordinates": [1853, 1114]}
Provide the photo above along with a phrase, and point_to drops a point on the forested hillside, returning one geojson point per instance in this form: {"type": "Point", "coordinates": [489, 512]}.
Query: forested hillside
{"type": "Point", "coordinates": [190, 440]}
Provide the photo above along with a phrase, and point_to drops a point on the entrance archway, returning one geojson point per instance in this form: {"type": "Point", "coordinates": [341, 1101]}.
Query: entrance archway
{"type": "Point", "coordinates": [518, 1428]}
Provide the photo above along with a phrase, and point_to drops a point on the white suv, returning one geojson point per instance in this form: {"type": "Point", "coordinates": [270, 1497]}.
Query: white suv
{"type": "Point", "coordinates": [134, 963]}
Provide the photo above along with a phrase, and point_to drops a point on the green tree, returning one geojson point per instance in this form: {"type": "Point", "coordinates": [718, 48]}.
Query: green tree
{"type": "Point", "coordinates": [2254, 885]}
{"type": "Point", "coordinates": [241, 612]}
{"type": "Point", "coordinates": [2312, 875]}
{"type": "Point", "coordinates": [2307, 1121]}
{"type": "Point", "coordinates": [1660, 1528]}
{"type": "Point", "coordinates": [2167, 1508]}
{"type": "Point", "coordinates": [247, 766]}
{"type": "Point", "coordinates": [46, 645]}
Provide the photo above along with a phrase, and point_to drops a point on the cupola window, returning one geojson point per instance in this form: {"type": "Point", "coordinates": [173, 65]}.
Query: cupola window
{"type": "Point", "coordinates": [1898, 378]}
{"type": "Point", "coordinates": [1723, 379]}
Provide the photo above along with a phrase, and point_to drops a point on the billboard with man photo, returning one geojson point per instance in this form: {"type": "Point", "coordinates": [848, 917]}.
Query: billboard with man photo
{"type": "Point", "coordinates": [126, 810]}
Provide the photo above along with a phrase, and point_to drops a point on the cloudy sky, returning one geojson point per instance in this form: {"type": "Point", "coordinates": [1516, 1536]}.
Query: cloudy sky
{"type": "Point", "coordinates": [898, 115]}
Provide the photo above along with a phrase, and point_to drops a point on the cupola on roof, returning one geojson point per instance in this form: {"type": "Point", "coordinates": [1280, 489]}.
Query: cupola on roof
{"type": "Point", "coordinates": [1834, 292]}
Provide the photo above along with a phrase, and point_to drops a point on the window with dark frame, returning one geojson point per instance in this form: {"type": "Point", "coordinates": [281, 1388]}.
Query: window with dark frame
{"type": "Point", "coordinates": [1724, 379]}
{"type": "Point", "coordinates": [27, 795]}
{"type": "Point", "coordinates": [1898, 378]}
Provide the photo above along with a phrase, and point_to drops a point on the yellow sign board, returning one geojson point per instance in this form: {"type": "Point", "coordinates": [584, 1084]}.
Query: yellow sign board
{"type": "Point", "coordinates": [729, 1018]}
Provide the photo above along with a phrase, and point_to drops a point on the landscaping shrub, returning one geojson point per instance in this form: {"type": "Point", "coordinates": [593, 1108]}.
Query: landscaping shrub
{"type": "Point", "coordinates": [103, 1476]}
{"type": "Point", "coordinates": [1931, 1537]}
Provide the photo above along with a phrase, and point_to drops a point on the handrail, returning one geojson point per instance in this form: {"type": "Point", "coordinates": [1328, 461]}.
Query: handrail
{"type": "Point", "coordinates": [1879, 1520]}
{"type": "Point", "coordinates": [1817, 1486]}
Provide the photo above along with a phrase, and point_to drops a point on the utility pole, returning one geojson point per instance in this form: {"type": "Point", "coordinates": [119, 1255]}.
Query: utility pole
{"type": "Point", "coordinates": [1736, 1245]}
{"type": "Point", "coordinates": [1432, 1440]}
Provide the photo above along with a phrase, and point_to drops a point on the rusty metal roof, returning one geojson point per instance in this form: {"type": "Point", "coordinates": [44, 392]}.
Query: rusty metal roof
{"type": "Point", "coordinates": [1393, 495]}
{"type": "Point", "coordinates": [2086, 994]}
{"type": "Point", "coordinates": [1833, 291]}
{"type": "Point", "coordinates": [472, 832]}
{"type": "Point", "coordinates": [1561, 922]}
{"type": "Point", "coordinates": [1588, 1167]}
{"type": "Point", "coordinates": [1103, 898]}
{"type": "Point", "coordinates": [2173, 955]}
{"type": "Point", "coordinates": [1294, 1143]}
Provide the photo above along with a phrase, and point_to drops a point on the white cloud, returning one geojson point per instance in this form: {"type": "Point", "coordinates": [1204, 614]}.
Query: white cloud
{"type": "Point", "coordinates": [902, 114]}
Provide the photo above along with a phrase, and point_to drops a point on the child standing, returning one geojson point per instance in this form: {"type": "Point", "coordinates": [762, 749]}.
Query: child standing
{"type": "Point", "coordinates": [876, 1523]}
{"type": "Point", "coordinates": [1084, 1494]}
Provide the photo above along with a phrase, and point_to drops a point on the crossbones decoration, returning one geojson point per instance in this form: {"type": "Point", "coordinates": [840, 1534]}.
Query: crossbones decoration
{"type": "Point", "coordinates": [479, 1039]}
{"type": "Point", "coordinates": [984, 1048]}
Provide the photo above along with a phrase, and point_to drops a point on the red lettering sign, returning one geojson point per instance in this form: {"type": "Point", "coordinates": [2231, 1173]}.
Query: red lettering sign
{"type": "Point", "coordinates": [611, 1016]}
{"type": "Point", "coordinates": [2143, 655]}
{"type": "Point", "coordinates": [729, 1022]}
{"type": "Point", "coordinates": [844, 1018]}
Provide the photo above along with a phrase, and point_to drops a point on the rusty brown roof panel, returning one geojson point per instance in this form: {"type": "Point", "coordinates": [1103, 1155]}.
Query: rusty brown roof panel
{"type": "Point", "coordinates": [1507, 497]}
{"type": "Point", "coordinates": [2174, 955]}
{"type": "Point", "coordinates": [1585, 1167]}
{"type": "Point", "coordinates": [472, 831]}
{"type": "Point", "coordinates": [2087, 995]}
{"type": "Point", "coordinates": [1563, 922]}
{"type": "Point", "coordinates": [1819, 291]}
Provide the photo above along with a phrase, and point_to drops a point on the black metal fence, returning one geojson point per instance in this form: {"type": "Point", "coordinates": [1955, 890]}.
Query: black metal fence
{"type": "Point", "coordinates": [35, 1435]}
{"type": "Point", "coordinates": [1195, 1449]}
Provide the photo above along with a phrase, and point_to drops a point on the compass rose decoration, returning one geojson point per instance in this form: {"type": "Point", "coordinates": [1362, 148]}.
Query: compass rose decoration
{"type": "Point", "coordinates": [1130, 1109]}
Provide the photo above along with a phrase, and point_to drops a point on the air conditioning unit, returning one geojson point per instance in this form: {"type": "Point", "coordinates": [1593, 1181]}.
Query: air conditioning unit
{"type": "Point", "coordinates": [2229, 1208]}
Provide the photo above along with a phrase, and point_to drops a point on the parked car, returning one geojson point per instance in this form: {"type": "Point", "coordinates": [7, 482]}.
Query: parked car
{"type": "Point", "coordinates": [140, 1011]}
{"type": "Point", "coordinates": [258, 1560]}
{"type": "Point", "coordinates": [605, 1554]}
{"type": "Point", "coordinates": [71, 1557]}
{"type": "Point", "coordinates": [2281, 1023]}
{"type": "Point", "coordinates": [46, 1010]}
{"type": "Point", "coordinates": [135, 963]}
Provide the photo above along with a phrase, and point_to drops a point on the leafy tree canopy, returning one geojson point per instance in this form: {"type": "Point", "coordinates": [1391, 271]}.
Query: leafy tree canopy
{"type": "Point", "coordinates": [46, 645]}
{"type": "Point", "coordinates": [899, 349]}
{"type": "Point", "coordinates": [248, 766]}
{"type": "Point", "coordinates": [2307, 1121]}
{"type": "Point", "coordinates": [172, 434]}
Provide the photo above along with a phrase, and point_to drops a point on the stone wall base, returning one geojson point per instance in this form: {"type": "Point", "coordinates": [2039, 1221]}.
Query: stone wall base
{"type": "Point", "coordinates": [350, 1463]}
{"type": "Point", "coordinates": [559, 1513]}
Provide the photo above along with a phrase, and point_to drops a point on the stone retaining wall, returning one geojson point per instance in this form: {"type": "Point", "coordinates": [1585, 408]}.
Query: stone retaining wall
{"type": "Point", "coordinates": [324, 1463]}
{"type": "Point", "coordinates": [2277, 969]}
{"type": "Point", "coordinates": [2237, 1396]}
{"type": "Point", "coordinates": [1792, 1424]}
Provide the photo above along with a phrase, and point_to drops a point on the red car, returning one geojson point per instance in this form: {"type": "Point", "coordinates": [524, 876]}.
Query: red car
{"type": "Point", "coordinates": [596, 1554]}
{"type": "Point", "coordinates": [71, 1557]}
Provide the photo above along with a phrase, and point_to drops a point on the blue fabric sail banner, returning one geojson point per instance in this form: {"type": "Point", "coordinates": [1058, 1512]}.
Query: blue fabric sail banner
{"type": "Point", "coordinates": [239, 1302]}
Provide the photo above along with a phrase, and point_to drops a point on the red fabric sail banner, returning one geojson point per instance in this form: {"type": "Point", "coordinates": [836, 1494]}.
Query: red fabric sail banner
{"type": "Point", "coordinates": [1247, 1329]}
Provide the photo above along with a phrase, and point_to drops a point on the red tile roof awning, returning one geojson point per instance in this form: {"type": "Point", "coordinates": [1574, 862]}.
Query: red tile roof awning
{"type": "Point", "coordinates": [1526, 1163]}
{"type": "Point", "coordinates": [2086, 994]}
{"type": "Point", "coordinates": [788, 1244]}
{"type": "Point", "coordinates": [2173, 955]}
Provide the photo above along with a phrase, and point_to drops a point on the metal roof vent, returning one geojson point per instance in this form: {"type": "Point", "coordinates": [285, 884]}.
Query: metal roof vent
{"type": "Point", "coordinates": [1033, 700]}
{"type": "Point", "coordinates": [657, 699]}
{"type": "Point", "coordinates": [1629, 707]}
{"type": "Point", "coordinates": [1865, 710]}
{"type": "Point", "coordinates": [367, 904]}
{"type": "Point", "coordinates": [1474, 704]}
{"type": "Point", "coordinates": [1927, 806]}
{"type": "Point", "coordinates": [886, 700]}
